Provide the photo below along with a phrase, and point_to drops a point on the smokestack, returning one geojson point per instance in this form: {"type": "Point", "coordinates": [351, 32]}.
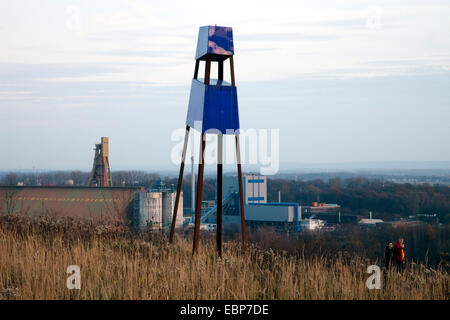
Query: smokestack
{"type": "Point", "coordinates": [279, 196]}
{"type": "Point", "coordinates": [193, 186]}
{"type": "Point", "coordinates": [370, 215]}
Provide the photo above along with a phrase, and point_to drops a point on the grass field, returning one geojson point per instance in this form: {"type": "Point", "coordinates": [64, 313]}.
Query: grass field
{"type": "Point", "coordinates": [35, 254]}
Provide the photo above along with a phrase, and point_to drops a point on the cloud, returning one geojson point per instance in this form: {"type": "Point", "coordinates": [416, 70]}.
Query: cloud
{"type": "Point", "coordinates": [11, 73]}
{"type": "Point", "coordinates": [40, 84]}
{"type": "Point", "coordinates": [285, 37]}
{"type": "Point", "coordinates": [357, 23]}
{"type": "Point", "coordinates": [244, 50]}
{"type": "Point", "coordinates": [444, 60]}
{"type": "Point", "coordinates": [147, 53]}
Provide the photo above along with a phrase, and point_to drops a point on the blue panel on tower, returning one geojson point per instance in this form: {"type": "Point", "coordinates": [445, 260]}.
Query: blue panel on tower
{"type": "Point", "coordinates": [214, 40]}
{"type": "Point", "coordinates": [221, 109]}
{"type": "Point", "coordinates": [196, 102]}
{"type": "Point", "coordinates": [213, 106]}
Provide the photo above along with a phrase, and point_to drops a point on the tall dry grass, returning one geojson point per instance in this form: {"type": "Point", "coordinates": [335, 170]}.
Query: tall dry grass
{"type": "Point", "coordinates": [35, 253]}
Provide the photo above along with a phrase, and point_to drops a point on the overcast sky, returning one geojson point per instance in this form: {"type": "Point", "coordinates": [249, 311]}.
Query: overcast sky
{"type": "Point", "coordinates": [343, 81]}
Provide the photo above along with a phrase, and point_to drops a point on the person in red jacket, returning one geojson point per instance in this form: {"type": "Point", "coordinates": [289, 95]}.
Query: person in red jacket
{"type": "Point", "coordinates": [399, 254]}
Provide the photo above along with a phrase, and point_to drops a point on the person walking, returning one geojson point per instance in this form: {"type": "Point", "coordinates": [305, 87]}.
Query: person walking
{"type": "Point", "coordinates": [399, 254]}
{"type": "Point", "coordinates": [389, 255]}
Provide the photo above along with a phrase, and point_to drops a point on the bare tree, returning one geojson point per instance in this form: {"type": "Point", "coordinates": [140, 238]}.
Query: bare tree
{"type": "Point", "coordinates": [8, 201]}
{"type": "Point", "coordinates": [11, 179]}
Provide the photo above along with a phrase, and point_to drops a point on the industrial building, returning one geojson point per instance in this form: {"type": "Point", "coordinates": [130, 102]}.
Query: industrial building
{"type": "Point", "coordinates": [99, 200]}
{"type": "Point", "coordinates": [320, 207]}
{"type": "Point", "coordinates": [97, 203]}
{"type": "Point", "coordinates": [311, 224]}
{"type": "Point", "coordinates": [329, 213]}
{"type": "Point", "coordinates": [133, 206]}
{"type": "Point", "coordinates": [369, 222]}
{"type": "Point", "coordinates": [257, 210]}
{"type": "Point", "coordinates": [154, 208]}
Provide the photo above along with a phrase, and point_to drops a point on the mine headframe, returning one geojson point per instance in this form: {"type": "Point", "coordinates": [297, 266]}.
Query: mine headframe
{"type": "Point", "coordinates": [101, 172]}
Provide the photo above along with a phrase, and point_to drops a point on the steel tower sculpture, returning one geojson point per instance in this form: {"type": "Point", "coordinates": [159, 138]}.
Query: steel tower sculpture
{"type": "Point", "coordinates": [213, 105]}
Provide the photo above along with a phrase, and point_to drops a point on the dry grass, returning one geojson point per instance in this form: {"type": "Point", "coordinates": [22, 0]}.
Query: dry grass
{"type": "Point", "coordinates": [115, 265]}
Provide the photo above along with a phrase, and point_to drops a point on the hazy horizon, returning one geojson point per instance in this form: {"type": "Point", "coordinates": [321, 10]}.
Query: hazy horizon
{"type": "Point", "coordinates": [343, 167]}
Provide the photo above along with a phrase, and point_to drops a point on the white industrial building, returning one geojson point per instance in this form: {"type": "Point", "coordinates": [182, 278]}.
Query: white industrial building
{"type": "Point", "coordinates": [257, 209]}
{"type": "Point", "coordinates": [369, 222]}
{"type": "Point", "coordinates": [311, 224]}
{"type": "Point", "coordinates": [154, 208]}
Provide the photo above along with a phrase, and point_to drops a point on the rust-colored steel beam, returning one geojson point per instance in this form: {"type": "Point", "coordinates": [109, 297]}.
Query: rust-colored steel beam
{"type": "Point", "coordinates": [198, 205]}
{"type": "Point", "coordinates": [180, 181]}
{"type": "Point", "coordinates": [208, 70]}
{"type": "Point", "coordinates": [232, 71]}
{"type": "Point", "coordinates": [241, 195]}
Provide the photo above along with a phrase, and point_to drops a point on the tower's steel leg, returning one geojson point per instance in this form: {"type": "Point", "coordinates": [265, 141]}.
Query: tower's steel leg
{"type": "Point", "coordinates": [198, 207]}
{"type": "Point", "coordinates": [219, 194]}
{"type": "Point", "coordinates": [241, 194]}
{"type": "Point", "coordinates": [197, 64]}
{"type": "Point", "coordinates": [180, 181]}
{"type": "Point", "coordinates": [207, 71]}
{"type": "Point", "coordinates": [220, 71]}
{"type": "Point", "coordinates": [232, 71]}
{"type": "Point", "coordinates": [238, 156]}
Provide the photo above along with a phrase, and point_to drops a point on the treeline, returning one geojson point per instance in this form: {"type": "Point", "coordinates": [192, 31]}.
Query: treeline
{"type": "Point", "coordinates": [387, 200]}
{"type": "Point", "coordinates": [77, 178]}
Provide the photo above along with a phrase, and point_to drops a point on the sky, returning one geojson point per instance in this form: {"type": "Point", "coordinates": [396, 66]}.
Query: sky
{"type": "Point", "coordinates": [347, 81]}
